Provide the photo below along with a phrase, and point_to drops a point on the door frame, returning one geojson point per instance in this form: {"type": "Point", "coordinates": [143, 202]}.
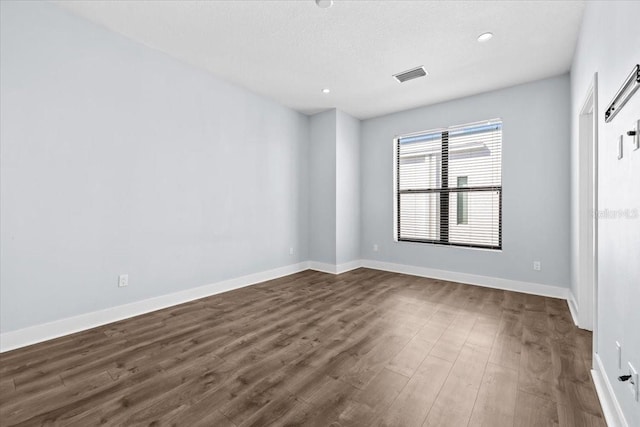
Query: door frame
{"type": "Point", "coordinates": [587, 281]}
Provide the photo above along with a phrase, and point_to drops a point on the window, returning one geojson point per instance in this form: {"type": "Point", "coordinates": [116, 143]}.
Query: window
{"type": "Point", "coordinates": [449, 186]}
{"type": "Point", "coordinates": [463, 201]}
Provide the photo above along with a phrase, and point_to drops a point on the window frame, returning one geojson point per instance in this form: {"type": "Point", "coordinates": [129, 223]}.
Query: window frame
{"type": "Point", "coordinates": [444, 204]}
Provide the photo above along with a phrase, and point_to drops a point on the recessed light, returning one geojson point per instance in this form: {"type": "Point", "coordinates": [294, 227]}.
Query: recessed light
{"type": "Point", "coordinates": [485, 37]}
{"type": "Point", "coordinates": [324, 4]}
{"type": "Point", "coordinates": [325, 90]}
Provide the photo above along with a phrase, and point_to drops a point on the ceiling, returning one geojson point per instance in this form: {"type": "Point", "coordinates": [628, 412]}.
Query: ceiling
{"type": "Point", "coordinates": [290, 50]}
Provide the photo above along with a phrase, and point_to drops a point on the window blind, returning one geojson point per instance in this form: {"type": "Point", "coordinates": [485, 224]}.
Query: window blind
{"type": "Point", "coordinates": [449, 186]}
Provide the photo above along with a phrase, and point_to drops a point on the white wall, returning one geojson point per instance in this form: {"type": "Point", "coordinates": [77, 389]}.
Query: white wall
{"type": "Point", "coordinates": [347, 188]}
{"type": "Point", "coordinates": [334, 186]}
{"type": "Point", "coordinates": [322, 187]}
{"type": "Point", "coordinates": [535, 178]}
{"type": "Point", "coordinates": [116, 158]}
{"type": "Point", "coordinates": [609, 44]}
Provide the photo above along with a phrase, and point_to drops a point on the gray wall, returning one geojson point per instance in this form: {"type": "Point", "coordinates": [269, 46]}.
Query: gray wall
{"type": "Point", "coordinates": [347, 188]}
{"type": "Point", "coordinates": [118, 159]}
{"type": "Point", "coordinates": [334, 186]}
{"type": "Point", "coordinates": [322, 187]}
{"type": "Point", "coordinates": [609, 44]}
{"type": "Point", "coordinates": [535, 174]}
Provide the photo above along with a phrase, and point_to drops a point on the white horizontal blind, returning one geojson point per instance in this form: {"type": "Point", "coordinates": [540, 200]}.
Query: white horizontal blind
{"type": "Point", "coordinates": [449, 186]}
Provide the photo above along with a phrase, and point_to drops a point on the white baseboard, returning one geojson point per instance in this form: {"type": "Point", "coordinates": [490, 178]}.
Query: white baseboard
{"type": "Point", "coordinates": [348, 266]}
{"type": "Point", "coordinates": [573, 308]}
{"type": "Point", "coordinates": [611, 409]}
{"type": "Point", "coordinates": [471, 279]}
{"type": "Point", "coordinates": [38, 333]}
{"type": "Point", "coordinates": [46, 331]}
{"type": "Point", "coordinates": [323, 267]}
{"type": "Point", "coordinates": [334, 268]}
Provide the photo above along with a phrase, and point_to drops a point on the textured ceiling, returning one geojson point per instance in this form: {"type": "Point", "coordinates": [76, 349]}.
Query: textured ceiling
{"type": "Point", "coordinates": [290, 50]}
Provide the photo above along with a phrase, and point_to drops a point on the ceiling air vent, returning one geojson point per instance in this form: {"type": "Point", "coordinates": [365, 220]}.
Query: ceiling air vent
{"type": "Point", "coordinates": [411, 74]}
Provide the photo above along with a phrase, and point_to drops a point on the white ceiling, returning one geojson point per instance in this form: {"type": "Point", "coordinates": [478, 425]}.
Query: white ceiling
{"type": "Point", "coordinates": [290, 50]}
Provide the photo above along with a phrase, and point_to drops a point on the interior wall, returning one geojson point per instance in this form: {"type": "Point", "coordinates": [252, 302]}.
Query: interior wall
{"type": "Point", "coordinates": [535, 175]}
{"type": "Point", "coordinates": [334, 186]}
{"type": "Point", "coordinates": [609, 44]}
{"type": "Point", "coordinates": [116, 158]}
{"type": "Point", "coordinates": [322, 187]}
{"type": "Point", "coordinates": [347, 188]}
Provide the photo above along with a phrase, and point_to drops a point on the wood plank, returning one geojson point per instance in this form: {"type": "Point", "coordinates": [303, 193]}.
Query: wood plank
{"type": "Point", "coordinates": [507, 346]}
{"type": "Point", "coordinates": [536, 367]}
{"type": "Point", "coordinates": [414, 402]}
{"type": "Point", "coordinates": [484, 331]}
{"type": "Point", "coordinates": [569, 416]}
{"type": "Point", "coordinates": [456, 398]}
{"type": "Point", "coordinates": [370, 365]}
{"type": "Point", "coordinates": [6, 387]}
{"type": "Point", "coordinates": [211, 417]}
{"type": "Point", "coordinates": [533, 411]}
{"type": "Point", "coordinates": [450, 343]}
{"type": "Point", "coordinates": [382, 391]}
{"type": "Point", "coordinates": [362, 348]}
{"type": "Point", "coordinates": [407, 361]}
{"type": "Point", "coordinates": [328, 402]}
{"type": "Point", "coordinates": [273, 411]}
{"type": "Point", "coordinates": [496, 402]}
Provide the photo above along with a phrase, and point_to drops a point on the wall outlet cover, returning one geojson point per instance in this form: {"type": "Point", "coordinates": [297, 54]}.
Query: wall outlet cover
{"type": "Point", "coordinates": [123, 280]}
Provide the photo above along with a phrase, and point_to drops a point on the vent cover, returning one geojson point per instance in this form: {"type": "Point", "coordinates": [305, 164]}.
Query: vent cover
{"type": "Point", "coordinates": [411, 74]}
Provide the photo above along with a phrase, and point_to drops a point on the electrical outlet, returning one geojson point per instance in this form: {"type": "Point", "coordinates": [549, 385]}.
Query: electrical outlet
{"type": "Point", "coordinates": [123, 280]}
{"type": "Point", "coordinates": [633, 382]}
{"type": "Point", "coordinates": [537, 266]}
{"type": "Point", "coordinates": [290, 251]}
{"type": "Point", "coordinates": [375, 247]}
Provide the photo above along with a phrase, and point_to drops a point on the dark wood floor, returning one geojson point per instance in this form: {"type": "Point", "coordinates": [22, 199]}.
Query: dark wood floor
{"type": "Point", "coordinates": [364, 348]}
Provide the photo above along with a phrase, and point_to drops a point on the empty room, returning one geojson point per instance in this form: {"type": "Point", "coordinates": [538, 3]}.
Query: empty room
{"type": "Point", "coordinates": [319, 213]}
